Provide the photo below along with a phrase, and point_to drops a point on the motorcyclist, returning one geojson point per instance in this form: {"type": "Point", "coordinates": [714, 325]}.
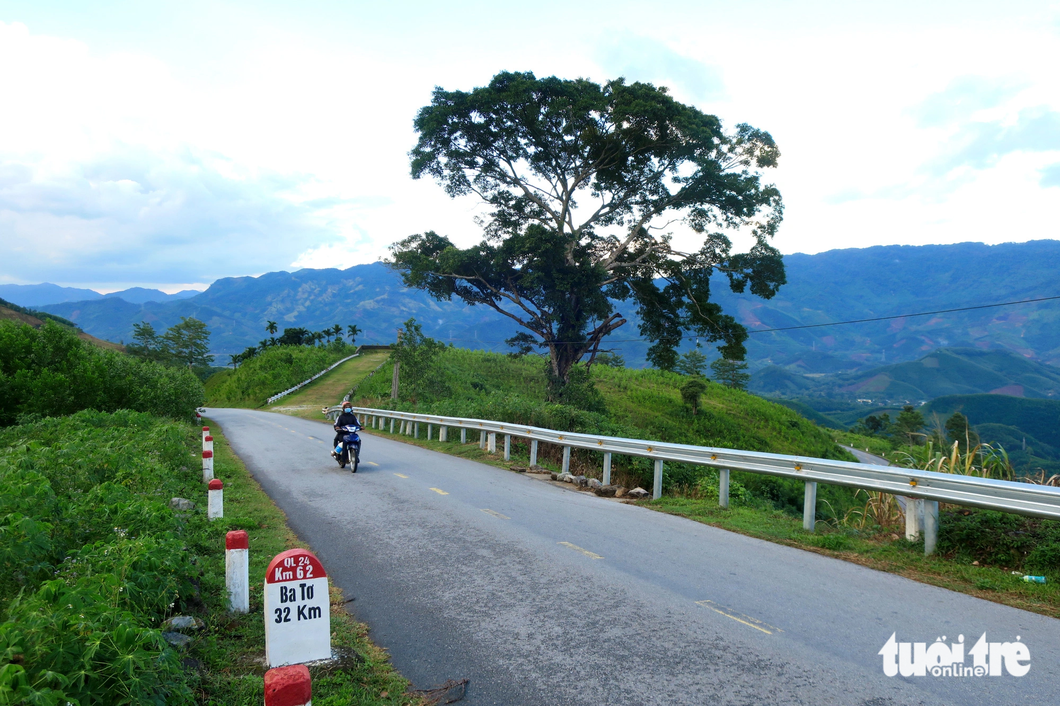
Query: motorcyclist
{"type": "Point", "coordinates": [347, 418]}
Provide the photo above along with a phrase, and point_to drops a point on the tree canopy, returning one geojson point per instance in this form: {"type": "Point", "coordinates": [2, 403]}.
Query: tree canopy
{"type": "Point", "coordinates": [582, 183]}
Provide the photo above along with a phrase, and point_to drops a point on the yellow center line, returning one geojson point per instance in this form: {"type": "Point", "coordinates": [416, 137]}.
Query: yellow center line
{"type": "Point", "coordinates": [586, 552]}
{"type": "Point", "coordinates": [745, 619]}
{"type": "Point", "coordinates": [401, 475]}
{"type": "Point", "coordinates": [440, 492]}
{"type": "Point", "coordinates": [495, 514]}
{"type": "Point", "coordinates": [372, 463]}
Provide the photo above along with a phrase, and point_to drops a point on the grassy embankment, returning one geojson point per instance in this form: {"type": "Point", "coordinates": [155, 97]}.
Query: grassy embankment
{"type": "Point", "coordinates": [862, 528]}
{"type": "Point", "coordinates": [329, 389]}
{"type": "Point", "coordinates": [273, 370]}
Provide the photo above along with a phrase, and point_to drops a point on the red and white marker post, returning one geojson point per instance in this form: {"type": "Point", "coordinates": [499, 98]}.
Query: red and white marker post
{"type": "Point", "coordinates": [205, 433]}
{"type": "Point", "coordinates": [288, 686]}
{"type": "Point", "coordinates": [207, 443]}
{"type": "Point", "coordinates": [237, 570]}
{"type": "Point", "coordinates": [297, 609]}
{"type": "Point", "coordinates": [207, 466]}
{"type": "Point", "coordinates": [215, 500]}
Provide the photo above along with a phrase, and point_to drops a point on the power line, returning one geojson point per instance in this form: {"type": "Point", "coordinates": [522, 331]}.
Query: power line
{"type": "Point", "coordinates": [834, 323]}
{"type": "Point", "coordinates": [903, 316]}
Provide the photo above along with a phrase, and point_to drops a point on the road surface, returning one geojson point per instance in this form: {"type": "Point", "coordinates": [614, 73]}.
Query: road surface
{"type": "Point", "coordinates": [546, 596]}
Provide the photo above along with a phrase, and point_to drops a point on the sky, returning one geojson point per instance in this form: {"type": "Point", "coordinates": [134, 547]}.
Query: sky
{"type": "Point", "coordinates": [169, 144]}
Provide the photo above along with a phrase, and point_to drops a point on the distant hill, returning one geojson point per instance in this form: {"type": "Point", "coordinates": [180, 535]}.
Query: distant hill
{"type": "Point", "coordinates": [236, 309]}
{"type": "Point", "coordinates": [14, 312]}
{"type": "Point", "coordinates": [948, 371]}
{"type": "Point", "coordinates": [843, 285]}
{"type": "Point", "coordinates": [838, 285]}
{"type": "Point", "coordinates": [37, 295]}
{"type": "Point", "coordinates": [34, 295]}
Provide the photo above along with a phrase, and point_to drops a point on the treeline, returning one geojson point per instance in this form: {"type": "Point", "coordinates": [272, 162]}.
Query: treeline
{"type": "Point", "coordinates": [42, 315]}
{"type": "Point", "coordinates": [297, 336]}
{"type": "Point", "coordinates": [50, 371]}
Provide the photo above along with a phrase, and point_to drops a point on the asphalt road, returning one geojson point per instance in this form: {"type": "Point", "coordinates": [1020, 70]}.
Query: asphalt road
{"type": "Point", "coordinates": [546, 596]}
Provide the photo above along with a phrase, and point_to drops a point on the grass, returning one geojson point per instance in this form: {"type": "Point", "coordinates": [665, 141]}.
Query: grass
{"type": "Point", "coordinates": [329, 389]}
{"type": "Point", "coordinates": [232, 649]}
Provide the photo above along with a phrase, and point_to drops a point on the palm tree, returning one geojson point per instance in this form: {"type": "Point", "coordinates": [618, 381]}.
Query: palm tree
{"type": "Point", "coordinates": [271, 327]}
{"type": "Point", "coordinates": [352, 331]}
{"type": "Point", "coordinates": [326, 333]}
{"type": "Point", "coordinates": [233, 360]}
{"type": "Point", "coordinates": [336, 330]}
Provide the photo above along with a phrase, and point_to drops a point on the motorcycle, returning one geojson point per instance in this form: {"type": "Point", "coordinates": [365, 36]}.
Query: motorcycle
{"type": "Point", "coordinates": [349, 449]}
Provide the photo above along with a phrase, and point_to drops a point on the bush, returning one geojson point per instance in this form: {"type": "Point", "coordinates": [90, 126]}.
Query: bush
{"type": "Point", "coordinates": [1000, 539]}
{"type": "Point", "coordinates": [92, 559]}
{"type": "Point", "coordinates": [49, 371]}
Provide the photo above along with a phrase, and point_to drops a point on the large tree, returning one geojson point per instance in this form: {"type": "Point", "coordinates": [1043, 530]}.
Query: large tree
{"type": "Point", "coordinates": [582, 184]}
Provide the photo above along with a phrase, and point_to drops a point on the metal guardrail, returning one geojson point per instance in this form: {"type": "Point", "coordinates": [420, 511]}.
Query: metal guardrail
{"type": "Point", "coordinates": [927, 487]}
{"type": "Point", "coordinates": [302, 384]}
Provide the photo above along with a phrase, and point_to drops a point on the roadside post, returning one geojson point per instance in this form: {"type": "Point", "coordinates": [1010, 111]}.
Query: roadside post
{"type": "Point", "coordinates": [215, 500]}
{"type": "Point", "coordinates": [288, 686]}
{"type": "Point", "coordinates": [297, 610]}
{"type": "Point", "coordinates": [207, 466]}
{"type": "Point", "coordinates": [205, 433]}
{"type": "Point", "coordinates": [237, 570]}
{"type": "Point", "coordinates": [207, 443]}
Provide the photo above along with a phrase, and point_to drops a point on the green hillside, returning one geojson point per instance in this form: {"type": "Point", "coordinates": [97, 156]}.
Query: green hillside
{"type": "Point", "coordinates": [1008, 420]}
{"type": "Point", "coordinates": [640, 404]}
{"type": "Point", "coordinates": [947, 371]}
{"type": "Point", "coordinates": [271, 371]}
{"type": "Point", "coordinates": [329, 389]}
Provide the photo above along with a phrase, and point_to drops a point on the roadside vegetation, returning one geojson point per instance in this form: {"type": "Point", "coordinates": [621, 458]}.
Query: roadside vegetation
{"type": "Point", "coordinates": [95, 557]}
{"type": "Point", "coordinates": [330, 389]}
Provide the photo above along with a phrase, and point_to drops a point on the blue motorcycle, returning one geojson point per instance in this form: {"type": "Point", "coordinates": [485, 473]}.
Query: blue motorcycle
{"type": "Point", "coordinates": [349, 449]}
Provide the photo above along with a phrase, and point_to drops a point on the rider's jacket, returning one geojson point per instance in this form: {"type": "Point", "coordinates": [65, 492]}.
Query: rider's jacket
{"type": "Point", "coordinates": [347, 420]}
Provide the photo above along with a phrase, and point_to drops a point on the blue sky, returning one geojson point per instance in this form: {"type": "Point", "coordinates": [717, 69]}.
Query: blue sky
{"type": "Point", "coordinates": [169, 144]}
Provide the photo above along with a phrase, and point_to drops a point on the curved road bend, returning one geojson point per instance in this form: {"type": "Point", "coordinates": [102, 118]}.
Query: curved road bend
{"type": "Point", "coordinates": [545, 596]}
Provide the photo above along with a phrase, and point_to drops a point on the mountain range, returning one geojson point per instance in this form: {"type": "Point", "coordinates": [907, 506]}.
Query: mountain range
{"type": "Point", "coordinates": [36, 295]}
{"type": "Point", "coordinates": [830, 287]}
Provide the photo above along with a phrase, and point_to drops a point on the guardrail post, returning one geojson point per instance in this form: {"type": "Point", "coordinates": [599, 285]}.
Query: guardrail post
{"type": "Point", "coordinates": [391, 425]}
{"type": "Point", "coordinates": [931, 526]}
{"type": "Point", "coordinates": [656, 488]}
{"type": "Point", "coordinates": [491, 442]}
{"type": "Point", "coordinates": [481, 439]}
{"type": "Point", "coordinates": [607, 468]}
{"type": "Point", "coordinates": [415, 430]}
{"type": "Point", "coordinates": [463, 435]}
{"type": "Point", "coordinates": [533, 452]}
{"type": "Point", "coordinates": [809, 506]}
{"type": "Point", "coordinates": [723, 488]}
{"type": "Point", "coordinates": [914, 508]}
{"type": "Point", "coordinates": [507, 447]}
{"type": "Point", "coordinates": [430, 431]}
{"type": "Point", "coordinates": [566, 459]}
{"type": "Point", "coordinates": [443, 433]}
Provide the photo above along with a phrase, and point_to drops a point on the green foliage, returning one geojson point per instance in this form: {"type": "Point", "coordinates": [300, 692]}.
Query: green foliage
{"type": "Point", "coordinates": [611, 360]}
{"type": "Point", "coordinates": [93, 560]}
{"type": "Point", "coordinates": [959, 432]}
{"type": "Point", "coordinates": [417, 358]}
{"type": "Point", "coordinates": [531, 148]}
{"type": "Point", "coordinates": [731, 373]}
{"type": "Point", "coordinates": [691, 391]}
{"type": "Point", "coordinates": [273, 370]}
{"type": "Point", "coordinates": [692, 363]}
{"type": "Point", "coordinates": [50, 371]}
{"type": "Point", "coordinates": [1000, 539]}
{"type": "Point", "coordinates": [186, 344]}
